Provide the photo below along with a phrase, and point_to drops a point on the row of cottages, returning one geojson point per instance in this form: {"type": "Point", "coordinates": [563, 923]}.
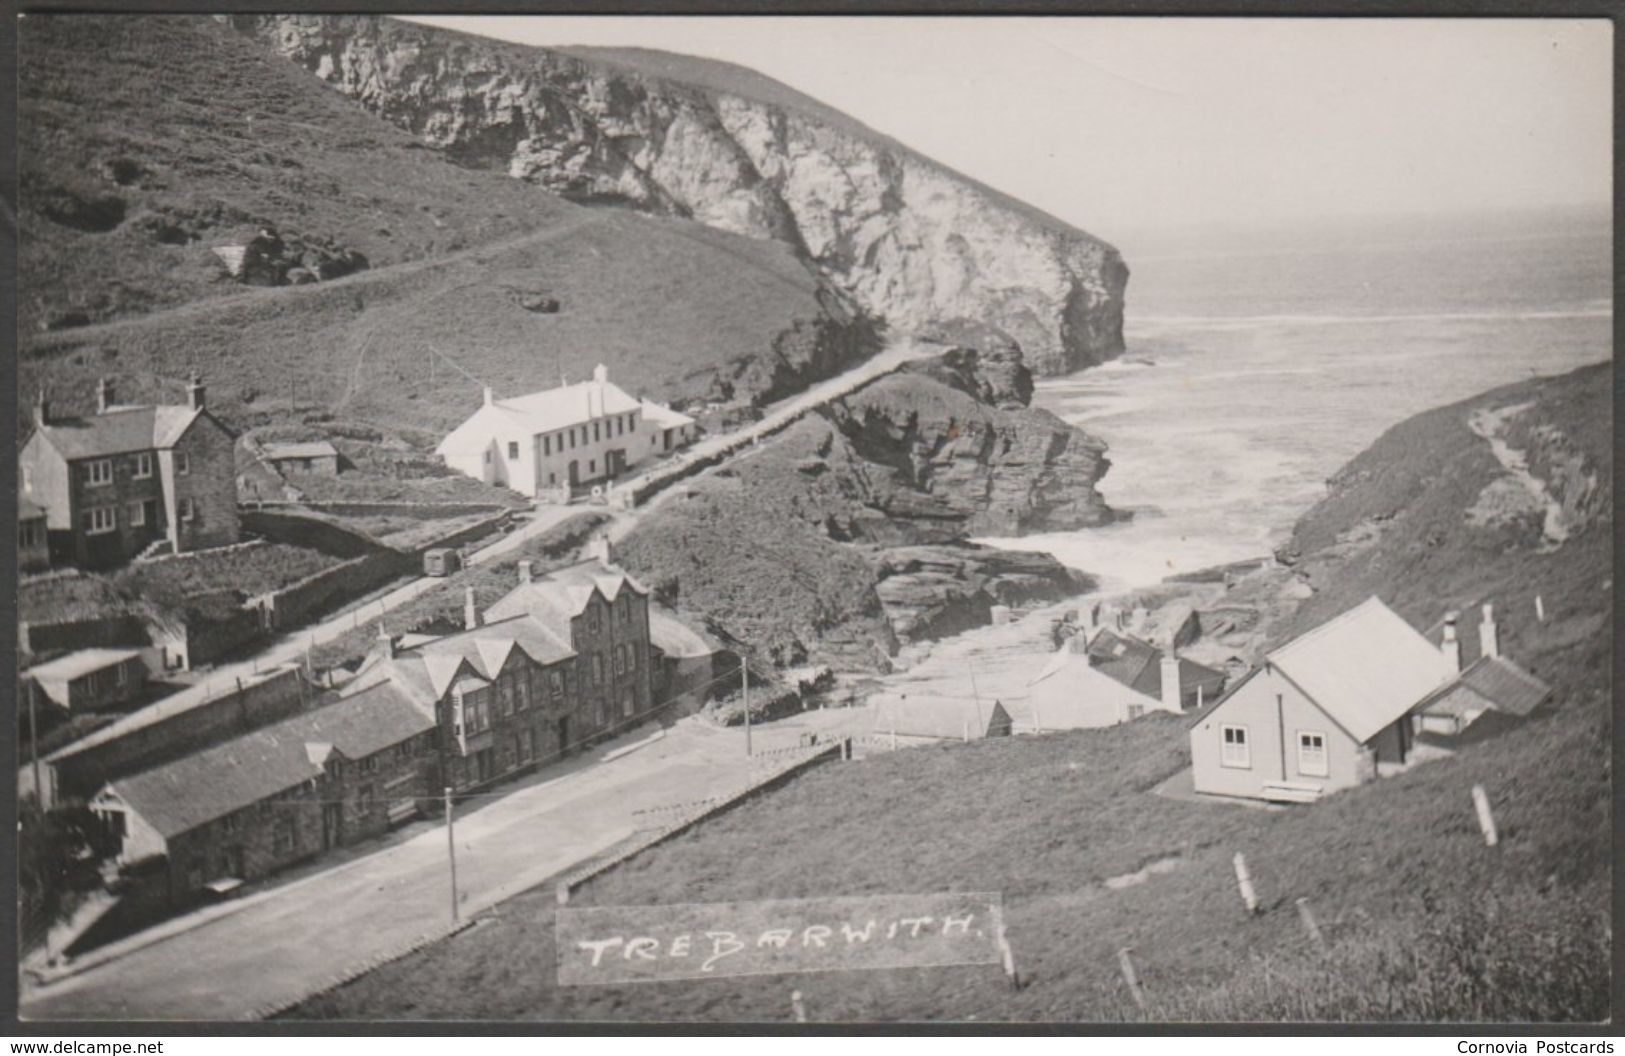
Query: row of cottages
{"type": "Point", "coordinates": [279, 795]}
{"type": "Point", "coordinates": [553, 442]}
{"type": "Point", "coordinates": [1347, 701]}
{"type": "Point", "coordinates": [562, 660]}
{"type": "Point", "coordinates": [115, 483]}
{"type": "Point", "coordinates": [1109, 677]}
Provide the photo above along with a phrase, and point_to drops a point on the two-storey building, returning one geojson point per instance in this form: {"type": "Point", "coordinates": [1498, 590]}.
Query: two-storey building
{"type": "Point", "coordinates": [114, 483]}
{"type": "Point", "coordinates": [559, 440]}
{"type": "Point", "coordinates": [604, 615]}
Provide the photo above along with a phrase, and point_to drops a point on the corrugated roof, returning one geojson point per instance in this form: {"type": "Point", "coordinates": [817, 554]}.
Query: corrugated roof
{"type": "Point", "coordinates": [191, 791]}
{"type": "Point", "coordinates": [118, 430]}
{"type": "Point", "coordinates": [949, 718]}
{"type": "Point", "coordinates": [79, 663]}
{"type": "Point", "coordinates": [312, 449]}
{"type": "Point", "coordinates": [1364, 668]}
{"type": "Point", "coordinates": [1492, 681]}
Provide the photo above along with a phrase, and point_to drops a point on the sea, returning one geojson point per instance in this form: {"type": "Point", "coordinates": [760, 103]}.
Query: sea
{"type": "Point", "coordinates": [1259, 363]}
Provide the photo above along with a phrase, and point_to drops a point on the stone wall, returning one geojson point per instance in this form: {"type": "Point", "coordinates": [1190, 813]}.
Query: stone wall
{"type": "Point", "coordinates": [298, 603]}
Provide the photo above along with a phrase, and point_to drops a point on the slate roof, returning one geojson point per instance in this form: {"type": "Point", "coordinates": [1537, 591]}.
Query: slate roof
{"type": "Point", "coordinates": [118, 430]}
{"type": "Point", "coordinates": [196, 789]}
{"type": "Point", "coordinates": [1364, 668]}
{"type": "Point", "coordinates": [658, 414]}
{"type": "Point", "coordinates": [1495, 681]}
{"type": "Point", "coordinates": [483, 650]}
{"type": "Point", "coordinates": [559, 596]}
{"type": "Point", "coordinates": [1138, 665]}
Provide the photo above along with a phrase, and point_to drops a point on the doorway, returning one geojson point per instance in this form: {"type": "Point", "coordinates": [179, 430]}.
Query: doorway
{"type": "Point", "coordinates": [332, 825]}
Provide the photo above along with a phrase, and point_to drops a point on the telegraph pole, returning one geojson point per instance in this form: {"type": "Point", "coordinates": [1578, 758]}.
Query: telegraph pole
{"type": "Point", "coordinates": [33, 746]}
{"type": "Point", "coordinates": [744, 670]}
{"type": "Point", "coordinates": [451, 850]}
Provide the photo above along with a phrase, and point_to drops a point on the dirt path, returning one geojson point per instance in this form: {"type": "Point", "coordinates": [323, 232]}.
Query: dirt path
{"type": "Point", "coordinates": [1489, 424]}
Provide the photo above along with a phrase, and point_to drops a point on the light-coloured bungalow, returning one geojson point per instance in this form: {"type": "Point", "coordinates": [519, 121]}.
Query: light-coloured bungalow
{"type": "Point", "coordinates": [1324, 711]}
{"type": "Point", "coordinates": [917, 720]}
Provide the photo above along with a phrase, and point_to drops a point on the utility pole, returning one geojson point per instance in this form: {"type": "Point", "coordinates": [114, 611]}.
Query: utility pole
{"type": "Point", "coordinates": [33, 746]}
{"type": "Point", "coordinates": [744, 670]}
{"type": "Point", "coordinates": [451, 850]}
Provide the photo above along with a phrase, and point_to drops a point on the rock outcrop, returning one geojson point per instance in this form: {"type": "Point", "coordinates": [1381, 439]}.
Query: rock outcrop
{"type": "Point", "coordinates": [914, 242]}
{"type": "Point", "coordinates": [934, 591]}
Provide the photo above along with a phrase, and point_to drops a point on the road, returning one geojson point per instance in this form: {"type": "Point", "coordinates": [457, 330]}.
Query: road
{"type": "Point", "coordinates": [279, 946]}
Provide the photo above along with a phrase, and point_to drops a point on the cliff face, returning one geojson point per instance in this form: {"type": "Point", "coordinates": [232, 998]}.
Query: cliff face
{"type": "Point", "coordinates": [846, 534]}
{"type": "Point", "coordinates": [914, 242]}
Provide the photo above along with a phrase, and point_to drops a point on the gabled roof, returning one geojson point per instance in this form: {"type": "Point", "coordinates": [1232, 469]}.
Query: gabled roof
{"type": "Point", "coordinates": [195, 789]}
{"type": "Point", "coordinates": [481, 651]}
{"type": "Point", "coordinates": [1497, 682]}
{"type": "Point", "coordinates": [118, 430]}
{"type": "Point", "coordinates": [1138, 665]}
{"type": "Point", "coordinates": [1364, 668]}
{"type": "Point", "coordinates": [559, 596]}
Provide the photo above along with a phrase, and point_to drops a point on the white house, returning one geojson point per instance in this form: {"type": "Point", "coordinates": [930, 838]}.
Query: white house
{"type": "Point", "coordinates": [1110, 677]}
{"type": "Point", "coordinates": [570, 437]}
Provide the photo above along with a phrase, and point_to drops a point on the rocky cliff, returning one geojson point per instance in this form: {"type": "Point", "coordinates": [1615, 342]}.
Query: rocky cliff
{"type": "Point", "coordinates": [914, 242]}
{"type": "Point", "coordinates": [846, 534]}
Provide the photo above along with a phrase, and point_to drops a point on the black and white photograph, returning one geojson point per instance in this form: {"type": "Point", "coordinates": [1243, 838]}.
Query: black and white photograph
{"type": "Point", "coordinates": [781, 522]}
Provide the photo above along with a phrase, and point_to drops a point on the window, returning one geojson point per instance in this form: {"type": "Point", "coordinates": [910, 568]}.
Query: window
{"type": "Point", "coordinates": [1234, 751]}
{"type": "Point", "coordinates": [592, 465]}
{"type": "Point", "coordinates": [552, 478]}
{"type": "Point", "coordinates": [121, 674]}
{"type": "Point", "coordinates": [558, 683]}
{"type": "Point", "coordinates": [632, 657]}
{"type": "Point", "coordinates": [572, 438]}
{"type": "Point", "coordinates": [369, 765]}
{"type": "Point", "coordinates": [1312, 754]}
{"type": "Point", "coordinates": [547, 445]}
{"type": "Point", "coordinates": [28, 478]}
{"type": "Point", "coordinates": [513, 449]}
{"type": "Point", "coordinates": [99, 471]}
{"type": "Point", "coordinates": [365, 798]}
{"type": "Point", "coordinates": [526, 745]}
{"type": "Point", "coordinates": [284, 836]}
{"type": "Point", "coordinates": [505, 694]}
{"type": "Point", "coordinates": [620, 660]}
{"type": "Point", "coordinates": [143, 465]}
{"type": "Point", "coordinates": [183, 463]}
{"type": "Point", "coordinates": [99, 520]}
{"type": "Point", "coordinates": [187, 510]}
{"type": "Point", "coordinates": [597, 668]}
{"type": "Point", "coordinates": [138, 515]}
{"type": "Point", "coordinates": [228, 824]}
{"type": "Point", "coordinates": [522, 690]}
{"type": "Point", "coordinates": [595, 432]}
{"type": "Point", "coordinates": [627, 704]}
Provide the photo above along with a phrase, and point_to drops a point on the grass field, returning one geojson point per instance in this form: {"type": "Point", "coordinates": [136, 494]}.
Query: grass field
{"type": "Point", "coordinates": [223, 138]}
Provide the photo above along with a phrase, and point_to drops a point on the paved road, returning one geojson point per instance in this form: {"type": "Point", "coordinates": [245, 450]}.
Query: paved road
{"type": "Point", "coordinates": [280, 945]}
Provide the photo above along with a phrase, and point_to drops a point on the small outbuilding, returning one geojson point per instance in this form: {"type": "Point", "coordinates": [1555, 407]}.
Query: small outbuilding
{"type": "Point", "coordinates": [925, 719]}
{"type": "Point", "coordinates": [89, 679]}
{"type": "Point", "coordinates": [317, 457]}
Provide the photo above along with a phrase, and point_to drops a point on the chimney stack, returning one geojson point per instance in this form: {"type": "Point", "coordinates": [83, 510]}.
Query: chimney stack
{"type": "Point", "coordinates": [194, 393]}
{"type": "Point", "coordinates": [1450, 647]}
{"type": "Point", "coordinates": [1489, 636]}
{"type": "Point", "coordinates": [526, 567]}
{"type": "Point", "coordinates": [486, 392]}
{"type": "Point", "coordinates": [386, 644]}
{"type": "Point", "coordinates": [42, 408]}
{"type": "Point", "coordinates": [1172, 699]}
{"type": "Point", "coordinates": [600, 548]}
{"type": "Point", "coordinates": [104, 395]}
{"type": "Point", "coordinates": [471, 614]}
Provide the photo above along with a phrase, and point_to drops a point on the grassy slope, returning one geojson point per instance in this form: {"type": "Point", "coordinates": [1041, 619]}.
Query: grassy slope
{"type": "Point", "coordinates": [668, 303]}
{"type": "Point", "coordinates": [1424, 922]}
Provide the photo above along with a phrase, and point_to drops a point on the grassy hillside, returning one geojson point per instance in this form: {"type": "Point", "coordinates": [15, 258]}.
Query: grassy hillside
{"type": "Point", "coordinates": [1423, 922]}
{"type": "Point", "coordinates": [149, 141]}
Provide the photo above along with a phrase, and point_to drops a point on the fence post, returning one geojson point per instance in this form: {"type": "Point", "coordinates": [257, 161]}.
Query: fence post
{"type": "Point", "coordinates": [1130, 978]}
{"type": "Point", "coordinates": [1244, 881]}
{"type": "Point", "coordinates": [1540, 609]}
{"type": "Point", "coordinates": [797, 1007]}
{"type": "Point", "coordinates": [1486, 820]}
{"type": "Point", "coordinates": [1307, 915]}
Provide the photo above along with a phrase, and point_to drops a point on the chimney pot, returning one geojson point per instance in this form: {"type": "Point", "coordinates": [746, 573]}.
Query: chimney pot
{"type": "Point", "coordinates": [471, 613]}
{"type": "Point", "coordinates": [526, 568]}
{"type": "Point", "coordinates": [386, 644]}
{"type": "Point", "coordinates": [42, 408]}
{"type": "Point", "coordinates": [194, 393]}
{"type": "Point", "coordinates": [600, 549]}
{"type": "Point", "coordinates": [1489, 636]}
{"type": "Point", "coordinates": [487, 396]}
{"type": "Point", "coordinates": [104, 395]}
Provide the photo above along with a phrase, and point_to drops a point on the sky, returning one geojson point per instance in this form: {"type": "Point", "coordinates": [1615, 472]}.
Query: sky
{"type": "Point", "coordinates": [1122, 125]}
